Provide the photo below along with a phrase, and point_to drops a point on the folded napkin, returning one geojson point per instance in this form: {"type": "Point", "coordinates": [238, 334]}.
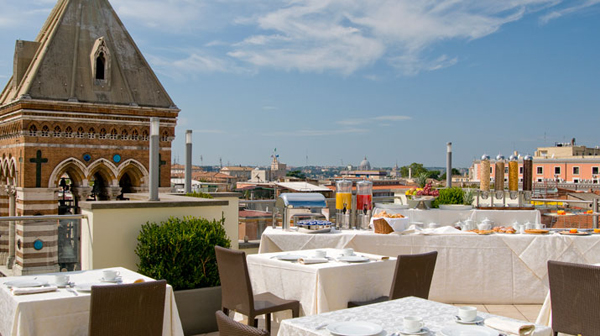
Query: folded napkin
{"type": "Point", "coordinates": [376, 257]}
{"type": "Point", "coordinates": [510, 327]}
{"type": "Point", "coordinates": [312, 260]}
{"type": "Point", "coordinates": [33, 290]}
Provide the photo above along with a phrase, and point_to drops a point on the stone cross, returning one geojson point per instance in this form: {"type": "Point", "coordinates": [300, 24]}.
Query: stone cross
{"type": "Point", "coordinates": [38, 160]}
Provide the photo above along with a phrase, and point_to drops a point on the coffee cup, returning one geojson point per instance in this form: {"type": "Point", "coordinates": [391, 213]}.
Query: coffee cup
{"type": "Point", "coordinates": [529, 226]}
{"type": "Point", "coordinates": [467, 313]}
{"type": "Point", "coordinates": [110, 274]}
{"type": "Point", "coordinates": [320, 253]}
{"type": "Point", "coordinates": [347, 252]}
{"type": "Point", "coordinates": [540, 226]}
{"type": "Point", "coordinates": [413, 324]}
{"type": "Point", "coordinates": [468, 224]}
{"type": "Point", "coordinates": [61, 280]}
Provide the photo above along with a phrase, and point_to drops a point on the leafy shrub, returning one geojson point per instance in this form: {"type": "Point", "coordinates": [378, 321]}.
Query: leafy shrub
{"type": "Point", "coordinates": [469, 196]}
{"type": "Point", "coordinates": [199, 194]}
{"type": "Point", "coordinates": [182, 251]}
{"type": "Point", "coordinates": [452, 195]}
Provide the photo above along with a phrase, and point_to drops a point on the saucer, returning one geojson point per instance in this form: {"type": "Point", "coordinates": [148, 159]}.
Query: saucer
{"type": "Point", "coordinates": [423, 331]}
{"type": "Point", "coordinates": [68, 284]}
{"type": "Point", "coordinates": [478, 319]}
{"type": "Point", "coordinates": [115, 280]}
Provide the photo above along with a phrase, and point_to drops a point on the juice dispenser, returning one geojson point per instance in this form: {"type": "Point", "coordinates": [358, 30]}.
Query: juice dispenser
{"type": "Point", "coordinates": [364, 203]}
{"type": "Point", "coordinates": [343, 203]}
{"type": "Point", "coordinates": [513, 176]}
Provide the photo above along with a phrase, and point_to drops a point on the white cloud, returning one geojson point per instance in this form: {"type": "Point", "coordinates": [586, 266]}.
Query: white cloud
{"type": "Point", "coordinates": [311, 132]}
{"type": "Point", "coordinates": [269, 108]}
{"type": "Point", "coordinates": [393, 118]}
{"type": "Point", "coordinates": [574, 6]}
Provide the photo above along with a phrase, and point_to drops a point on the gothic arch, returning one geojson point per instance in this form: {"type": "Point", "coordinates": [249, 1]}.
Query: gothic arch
{"type": "Point", "coordinates": [107, 170]}
{"type": "Point", "coordinates": [76, 169]}
{"type": "Point", "coordinates": [137, 172]}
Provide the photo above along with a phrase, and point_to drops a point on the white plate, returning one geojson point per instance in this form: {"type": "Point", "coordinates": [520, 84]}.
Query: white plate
{"type": "Point", "coordinates": [420, 332]}
{"type": "Point", "coordinates": [354, 258]}
{"type": "Point", "coordinates": [87, 287]}
{"type": "Point", "coordinates": [303, 230]}
{"type": "Point", "coordinates": [115, 280]}
{"type": "Point", "coordinates": [290, 257]}
{"type": "Point", "coordinates": [25, 283]}
{"type": "Point", "coordinates": [354, 328]}
{"type": "Point", "coordinates": [478, 319]}
{"type": "Point", "coordinates": [463, 330]}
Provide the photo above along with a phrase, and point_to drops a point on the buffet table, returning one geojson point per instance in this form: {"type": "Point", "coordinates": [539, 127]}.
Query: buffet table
{"type": "Point", "coordinates": [66, 311]}
{"type": "Point", "coordinates": [321, 287]}
{"type": "Point", "coordinates": [389, 316]}
{"type": "Point", "coordinates": [451, 217]}
{"type": "Point", "coordinates": [489, 269]}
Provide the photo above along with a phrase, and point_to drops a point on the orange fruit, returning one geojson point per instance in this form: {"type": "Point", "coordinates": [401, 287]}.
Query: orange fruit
{"type": "Point", "coordinates": [573, 231]}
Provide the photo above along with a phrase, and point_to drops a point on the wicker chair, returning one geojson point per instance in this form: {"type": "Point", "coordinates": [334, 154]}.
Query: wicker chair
{"type": "Point", "coordinates": [236, 290]}
{"type": "Point", "coordinates": [229, 327]}
{"type": "Point", "coordinates": [575, 298]}
{"type": "Point", "coordinates": [412, 277]}
{"type": "Point", "coordinates": [129, 309]}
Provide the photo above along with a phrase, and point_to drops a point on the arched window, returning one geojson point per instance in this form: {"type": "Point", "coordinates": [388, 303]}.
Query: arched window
{"type": "Point", "coordinates": [92, 133]}
{"type": "Point", "coordinates": [45, 131]}
{"type": "Point", "coordinates": [56, 132]}
{"type": "Point", "coordinates": [69, 132]}
{"type": "Point", "coordinates": [79, 132]}
{"type": "Point", "coordinates": [134, 135]}
{"type": "Point", "coordinates": [113, 134]}
{"type": "Point", "coordinates": [100, 63]}
{"type": "Point", "coordinates": [165, 136]}
{"type": "Point", "coordinates": [102, 134]}
{"type": "Point", "coordinates": [125, 135]}
{"type": "Point", "coordinates": [145, 135]}
{"type": "Point", "coordinates": [32, 130]}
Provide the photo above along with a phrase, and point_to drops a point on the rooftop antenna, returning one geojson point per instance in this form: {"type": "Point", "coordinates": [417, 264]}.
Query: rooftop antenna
{"type": "Point", "coordinates": [221, 162]}
{"type": "Point", "coordinates": [201, 161]}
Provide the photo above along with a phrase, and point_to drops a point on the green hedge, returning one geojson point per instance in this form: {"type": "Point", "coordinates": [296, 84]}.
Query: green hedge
{"type": "Point", "coordinates": [452, 195]}
{"type": "Point", "coordinates": [181, 251]}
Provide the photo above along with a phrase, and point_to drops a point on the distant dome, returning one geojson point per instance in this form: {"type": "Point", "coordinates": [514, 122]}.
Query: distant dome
{"type": "Point", "coordinates": [364, 165]}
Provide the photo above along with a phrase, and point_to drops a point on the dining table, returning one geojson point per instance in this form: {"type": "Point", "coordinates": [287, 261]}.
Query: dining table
{"type": "Point", "coordinates": [471, 268]}
{"type": "Point", "coordinates": [326, 285]}
{"type": "Point", "coordinates": [64, 310]}
{"type": "Point", "coordinates": [386, 319]}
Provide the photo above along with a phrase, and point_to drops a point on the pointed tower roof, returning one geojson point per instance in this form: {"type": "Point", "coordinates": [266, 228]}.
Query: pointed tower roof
{"type": "Point", "coordinates": [83, 53]}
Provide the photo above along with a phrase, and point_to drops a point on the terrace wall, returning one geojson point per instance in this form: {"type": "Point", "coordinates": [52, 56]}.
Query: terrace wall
{"type": "Point", "coordinates": [109, 235]}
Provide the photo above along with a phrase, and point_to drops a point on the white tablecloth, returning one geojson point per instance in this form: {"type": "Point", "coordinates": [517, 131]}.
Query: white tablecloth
{"type": "Point", "coordinates": [450, 217]}
{"type": "Point", "coordinates": [492, 269]}
{"type": "Point", "coordinates": [389, 315]}
{"type": "Point", "coordinates": [62, 313]}
{"type": "Point", "coordinates": [321, 287]}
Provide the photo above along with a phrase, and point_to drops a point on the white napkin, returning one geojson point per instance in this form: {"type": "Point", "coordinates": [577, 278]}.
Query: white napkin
{"type": "Point", "coordinates": [312, 260]}
{"type": "Point", "coordinates": [510, 327]}
{"type": "Point", "coordinates": [445, 230]}
{"type": "Point", "coordinates": [33, 290]}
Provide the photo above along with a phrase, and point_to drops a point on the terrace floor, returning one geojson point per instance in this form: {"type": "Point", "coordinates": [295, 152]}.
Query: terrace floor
{"type": "Point", "coordinates": [519, 312]}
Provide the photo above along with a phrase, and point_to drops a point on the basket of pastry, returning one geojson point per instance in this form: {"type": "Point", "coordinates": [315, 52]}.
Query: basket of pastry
{"type": "Point", "coordinates": [386, 214]}
{"type": "Point", "coordinates": [380, 225]}
{"type": "Point", "coordinates": [502, 229]}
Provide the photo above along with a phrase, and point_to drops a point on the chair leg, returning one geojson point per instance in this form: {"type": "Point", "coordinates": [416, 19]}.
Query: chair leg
{"type": "Point", "coordinates": [268, 322]}
{"type": "Point", "coordinates": [296, 311]}
{"type": "Point", "coordinates": [252, 321]}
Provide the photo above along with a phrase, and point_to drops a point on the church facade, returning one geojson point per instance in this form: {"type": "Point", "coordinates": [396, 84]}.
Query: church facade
{"type": "Point", "coordinates": [77, 108]}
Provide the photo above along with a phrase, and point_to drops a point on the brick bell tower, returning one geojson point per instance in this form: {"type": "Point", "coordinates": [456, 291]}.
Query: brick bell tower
{"type": "Point", "coordinates": [78, 106]}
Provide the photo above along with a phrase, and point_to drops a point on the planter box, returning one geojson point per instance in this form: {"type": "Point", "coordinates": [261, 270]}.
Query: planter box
{"type": "Point", "coordinates": [197, 309]}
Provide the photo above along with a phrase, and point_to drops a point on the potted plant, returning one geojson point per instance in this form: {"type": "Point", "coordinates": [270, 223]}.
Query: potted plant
{"type": "Point", "coordinates": [451, 199]}
{"type": "Point", "coordinates": [182, 252]}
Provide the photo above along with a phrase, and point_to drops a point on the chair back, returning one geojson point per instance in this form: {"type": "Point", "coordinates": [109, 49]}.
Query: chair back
{"type": "Point", "coordinates": [575, 297]}
{"type": "Point", "coordinates": [229, 327]}
{"type": "Point", "coordinates": [236, 288]}
{"type": "Point", "coordinates": [128, 309]}
{"type": "Point", "coordinates": [413, 275]}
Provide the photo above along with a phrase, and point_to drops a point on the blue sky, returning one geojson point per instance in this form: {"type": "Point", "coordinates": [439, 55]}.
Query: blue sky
{"type": "Point", "coordinates": [327, 82]}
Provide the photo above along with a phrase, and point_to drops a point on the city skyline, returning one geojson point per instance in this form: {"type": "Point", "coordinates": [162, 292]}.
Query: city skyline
{"type": "Point", "coordinates": [327, 82]}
